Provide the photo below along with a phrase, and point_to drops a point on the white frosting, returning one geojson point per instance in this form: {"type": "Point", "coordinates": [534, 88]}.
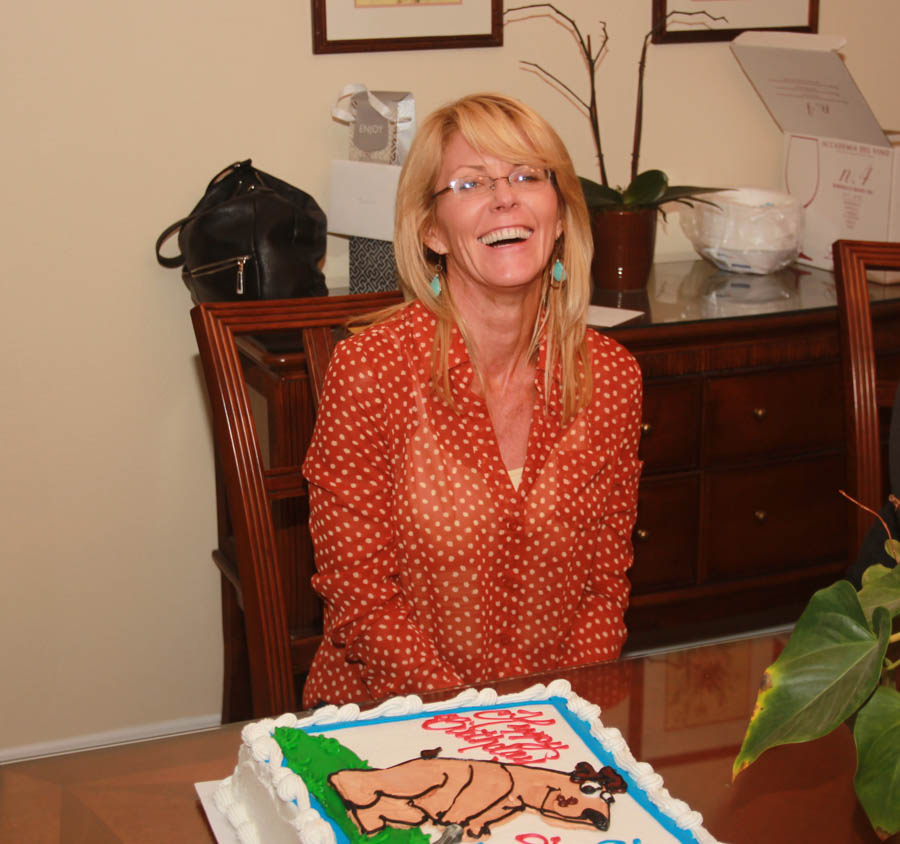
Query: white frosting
{"type": "Point", "coordinates": [276, 797]}
{"type": "Point", "coordinates": [273, 795]}
{"type": "Point", "coordinates": [235, 812]}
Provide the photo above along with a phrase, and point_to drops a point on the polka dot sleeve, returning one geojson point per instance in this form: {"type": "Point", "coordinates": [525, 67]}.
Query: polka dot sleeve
{"type": "Point", "coordinates": [367, 617]}
{"type": "Point", "coordinates": [599, 620]}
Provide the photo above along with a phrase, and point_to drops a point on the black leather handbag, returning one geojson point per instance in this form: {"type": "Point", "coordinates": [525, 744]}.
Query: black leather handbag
{"type": "Point", "coordinates": [251, 236]}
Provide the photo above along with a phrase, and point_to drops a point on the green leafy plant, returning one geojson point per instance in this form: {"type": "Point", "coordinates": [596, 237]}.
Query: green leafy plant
{"type": "Point", "coordinates": [837, 667]}
{"type": "Point", "coordinates": [647, 189]}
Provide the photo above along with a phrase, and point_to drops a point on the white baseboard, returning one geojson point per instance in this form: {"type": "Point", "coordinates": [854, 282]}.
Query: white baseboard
{"type": "Point", "coordinates": [161, 729]}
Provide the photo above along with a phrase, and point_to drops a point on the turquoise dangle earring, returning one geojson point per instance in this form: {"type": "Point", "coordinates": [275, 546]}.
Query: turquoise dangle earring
{"type": "Point", "coordinates": [438, 261]}
{"type": "Point", "coordinates": [558, 274]}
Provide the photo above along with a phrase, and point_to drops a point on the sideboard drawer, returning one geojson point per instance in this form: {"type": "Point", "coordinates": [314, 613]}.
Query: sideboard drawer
{"type": "Point", "coordinates": [670, 425]}
{"type": "Point", "coordinates": [789, 411]}
{"type": "Point", "coordinates": [665, 534]}
{"type": "Point", "coordinates": [774, 518]}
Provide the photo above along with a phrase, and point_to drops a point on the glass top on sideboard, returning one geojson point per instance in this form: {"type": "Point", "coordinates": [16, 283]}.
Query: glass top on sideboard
{"type": "Point", "coordinates": [689, 291]}
{"type": "Point", "coordinates": [696, 290]}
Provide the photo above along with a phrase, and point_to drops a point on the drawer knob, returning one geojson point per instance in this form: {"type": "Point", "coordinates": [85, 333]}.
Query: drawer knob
{"type": "Point", "coordinates": [760, 413]}
{"type": "Point", "coordinates": [760, 515]}
{"type": "Point", "coordinates": [642, 534]}
{"type": "Point", "coordinates": [646, 428]}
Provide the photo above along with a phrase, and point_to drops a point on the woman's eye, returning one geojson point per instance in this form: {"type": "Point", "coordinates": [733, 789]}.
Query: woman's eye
{"type": "Point", "coordinates": [468, 184]}
{"type": "Point", "coordinates": [589, 789]}
{"type": "Point", "coordinates": [527, 175]}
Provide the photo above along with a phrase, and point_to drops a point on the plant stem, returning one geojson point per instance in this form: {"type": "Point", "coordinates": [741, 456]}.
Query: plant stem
{"type": "Point", "coordinates": [862, 506]}
{"type": "Point", "coordinates": [642, 66]}
{"type": "Point", "coordinates": [639, 108]}
{"type": "Point", "coordinates": [591, 58]}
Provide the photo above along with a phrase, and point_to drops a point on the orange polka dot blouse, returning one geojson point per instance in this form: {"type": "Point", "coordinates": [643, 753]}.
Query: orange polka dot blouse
{"type": "Point", "coordinates": [435, 571]}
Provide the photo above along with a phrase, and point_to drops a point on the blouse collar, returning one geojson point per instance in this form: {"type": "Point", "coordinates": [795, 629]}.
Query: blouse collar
{"type": "Point", "coordinates": [458, 353]}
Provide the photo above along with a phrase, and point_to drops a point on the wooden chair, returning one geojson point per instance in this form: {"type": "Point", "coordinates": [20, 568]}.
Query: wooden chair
{"type": "Point", "coordinates": [864, 392]}
{"type": "Point", "coordinates": [271, 619]}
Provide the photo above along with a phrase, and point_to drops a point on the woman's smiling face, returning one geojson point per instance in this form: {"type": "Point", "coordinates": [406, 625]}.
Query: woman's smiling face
{"type": "Point", "coordinates": [502, 240]}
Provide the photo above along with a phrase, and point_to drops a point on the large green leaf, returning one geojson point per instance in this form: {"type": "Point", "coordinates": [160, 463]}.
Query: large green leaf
{"type": "Point", "coordinates": [880, 588]}
{"type": "Point", "coordinates": [874, 573]}
{"type": "Point", "coordinates": [600, 196]}
{"type": "Point", "coordinates": [646, 189]}
{"type": "Point", "coordinates": [877, 782]}
{"type": "Point", "coordinates": [688, 192]}
{"type": "Point", "coordinates": [828, 668]}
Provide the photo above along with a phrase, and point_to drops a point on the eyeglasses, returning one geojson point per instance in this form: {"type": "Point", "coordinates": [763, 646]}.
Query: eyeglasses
{"type": "Point", "coordinates": [521, 179]}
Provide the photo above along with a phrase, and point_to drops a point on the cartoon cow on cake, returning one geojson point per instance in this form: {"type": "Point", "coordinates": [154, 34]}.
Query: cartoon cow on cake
{"type": "Point", "coordinates": [474, 794]}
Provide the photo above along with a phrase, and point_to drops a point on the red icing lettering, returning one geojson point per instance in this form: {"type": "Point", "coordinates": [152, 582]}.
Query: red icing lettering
{"type": "Point", "coordinates": [504, 734]}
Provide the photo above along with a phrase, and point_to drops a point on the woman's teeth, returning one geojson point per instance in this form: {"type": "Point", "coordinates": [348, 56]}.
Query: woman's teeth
{"type": "Point", "coordinates": [512, 233]}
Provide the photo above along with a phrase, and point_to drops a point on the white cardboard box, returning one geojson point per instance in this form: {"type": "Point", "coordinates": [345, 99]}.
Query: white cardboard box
{"type": "Point", "coordinates": [361, 199]}
{"type": "Point", "coordinates": [837, 160]}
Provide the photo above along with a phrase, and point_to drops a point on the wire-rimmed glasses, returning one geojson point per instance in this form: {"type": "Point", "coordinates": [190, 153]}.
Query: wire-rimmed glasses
{"type": "Point", "coordinates": [478, 185]}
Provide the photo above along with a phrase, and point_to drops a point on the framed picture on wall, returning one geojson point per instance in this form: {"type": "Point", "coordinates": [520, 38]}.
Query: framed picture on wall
{"type": "Point", "coordinates": [722, 20]}
{"type": "Point", "coordinates": [365, 26]}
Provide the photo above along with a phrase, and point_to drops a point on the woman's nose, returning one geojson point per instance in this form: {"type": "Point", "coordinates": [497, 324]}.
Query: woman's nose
{"type": "Point", "coordinates": [503, 194]}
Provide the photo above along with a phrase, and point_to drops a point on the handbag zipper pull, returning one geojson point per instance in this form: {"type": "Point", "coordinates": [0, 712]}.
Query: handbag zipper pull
{"type": "Point", "coordinates": [240, 275]}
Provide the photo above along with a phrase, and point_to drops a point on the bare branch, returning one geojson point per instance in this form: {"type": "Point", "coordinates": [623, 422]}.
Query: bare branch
{"type": "Point", "coordinates": [559, 82]}
{"type": "Point", "coordinates": [642, 66]}
{"type": "Point", "coordinates": [591, 58]}
{"type": "Point", "coordinates": [563, 15]}
{"type": "Point", "coordinates": [708, 18]}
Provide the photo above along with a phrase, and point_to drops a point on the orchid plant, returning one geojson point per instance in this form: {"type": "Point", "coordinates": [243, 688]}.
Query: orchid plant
{"type": "Point", "coordinates": [647, 189]}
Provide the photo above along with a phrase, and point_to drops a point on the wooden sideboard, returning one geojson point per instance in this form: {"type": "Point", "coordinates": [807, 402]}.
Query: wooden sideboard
{"type": "Point", "coordinates": [740, 518]}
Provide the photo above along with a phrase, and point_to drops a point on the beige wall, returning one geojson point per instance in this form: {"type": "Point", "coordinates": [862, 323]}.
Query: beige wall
{"type": "Point", "coordinates": [115, 115]}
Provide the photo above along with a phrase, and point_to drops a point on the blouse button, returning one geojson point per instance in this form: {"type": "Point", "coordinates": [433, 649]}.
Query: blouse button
{"type": "Point", "coordinates": [512, 524]}
{"type": "Point", "coordinates": [509, 582]}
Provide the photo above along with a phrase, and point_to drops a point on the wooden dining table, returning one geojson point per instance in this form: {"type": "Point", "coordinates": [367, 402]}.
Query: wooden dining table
{"type": "Point", "coordinates": [684, 711]}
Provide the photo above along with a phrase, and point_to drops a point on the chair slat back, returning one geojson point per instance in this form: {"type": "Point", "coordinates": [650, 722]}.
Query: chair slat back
{"type": "Point", "coordinates": [863, 393]}
{"type": "Point", "coordinates": [229, 336]}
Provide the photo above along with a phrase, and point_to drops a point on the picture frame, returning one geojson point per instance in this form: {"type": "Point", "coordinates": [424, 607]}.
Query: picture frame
{"type": "Point", "coordinates": [739, 16]}
{"type": "Point", "coordinates": [340, 26]}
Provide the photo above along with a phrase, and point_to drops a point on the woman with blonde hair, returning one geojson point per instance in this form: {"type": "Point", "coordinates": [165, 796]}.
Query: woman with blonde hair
{"type": "Point", "coordinates": [473, 473]}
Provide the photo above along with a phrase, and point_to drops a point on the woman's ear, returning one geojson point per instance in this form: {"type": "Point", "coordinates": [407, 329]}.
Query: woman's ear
{"type": "Point", "coordinates": [434, 241]}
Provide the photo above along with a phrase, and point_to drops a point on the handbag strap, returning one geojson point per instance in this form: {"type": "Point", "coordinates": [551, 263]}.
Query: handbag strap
{"type": "Point", "coordinates": [178, 260]}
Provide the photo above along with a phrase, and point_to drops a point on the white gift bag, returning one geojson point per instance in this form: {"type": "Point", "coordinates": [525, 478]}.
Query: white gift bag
{"type": "Point", "coordinates": [383, 123]}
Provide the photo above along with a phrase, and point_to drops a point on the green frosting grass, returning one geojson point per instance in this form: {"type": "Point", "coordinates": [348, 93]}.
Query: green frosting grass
{"type": "Point", "coordinates": [315, 758]}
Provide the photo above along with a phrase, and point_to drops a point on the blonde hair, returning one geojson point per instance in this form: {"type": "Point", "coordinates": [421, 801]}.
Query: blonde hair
{"type": "Point", "coordinates": [510, 130]}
